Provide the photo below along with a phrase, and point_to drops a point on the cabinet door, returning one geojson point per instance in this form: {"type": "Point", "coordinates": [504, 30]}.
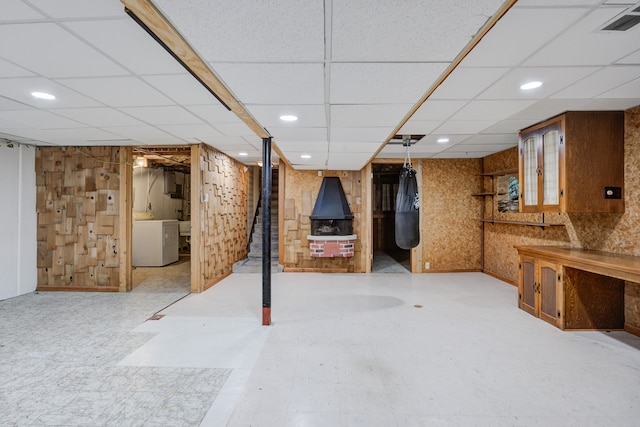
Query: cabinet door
{"type": "Point", "coordinates": [550, 280]}
{"type": "Point", "coordinates": [529, 172]}
{"type": "Point", "coordinates": [551, 139]}
{"type": "Point", "coordinates": [527, 294]}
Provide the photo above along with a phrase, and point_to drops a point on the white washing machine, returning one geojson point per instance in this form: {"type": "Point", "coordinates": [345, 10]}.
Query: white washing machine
{"type": "Point", "coordinates": [155, 242]}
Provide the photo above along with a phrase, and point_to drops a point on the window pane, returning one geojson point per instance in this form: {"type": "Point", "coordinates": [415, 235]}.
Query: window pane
{"type": "Point", "coordinates": [550, 167]}
{"type": "Point", "coordinates": [530, 183]}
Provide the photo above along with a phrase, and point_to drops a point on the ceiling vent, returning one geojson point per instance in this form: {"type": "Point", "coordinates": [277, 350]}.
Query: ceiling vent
{"type": "Point", "coordinates": [624, 21]}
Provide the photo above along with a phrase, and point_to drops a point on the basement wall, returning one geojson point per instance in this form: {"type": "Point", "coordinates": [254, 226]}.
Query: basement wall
{"type": "Point", "coordinates": [450, 227]}
{"type": "Point", "coordinates": [78, 227]}
{"type": "Point", "coordinates": [301, 189]}
{"type": "Point", "coordinates": [18, 218]}
{"type": "Point", "coordinates": [616, 233]}
{"type": "Point", "coordinates": [218, 215]}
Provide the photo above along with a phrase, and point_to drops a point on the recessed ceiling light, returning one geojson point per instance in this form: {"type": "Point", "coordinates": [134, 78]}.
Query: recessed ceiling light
{"type": "Point", "coordinates": [305, 156]}
{"type": "Point", "coordinates": [243, 154]}
{"type": "Point", "coordinates": [43, 95]}
{"type": "Point", "coordinates": [442, 140]}
{"type": "Point", "coordinates": [288, 118]}
{"type": "Point", "coordinates": [531, 85]}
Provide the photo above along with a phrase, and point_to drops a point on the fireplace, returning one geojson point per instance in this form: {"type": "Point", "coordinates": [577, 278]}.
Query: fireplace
{"type": "Point", "coordinates": [331, 222]}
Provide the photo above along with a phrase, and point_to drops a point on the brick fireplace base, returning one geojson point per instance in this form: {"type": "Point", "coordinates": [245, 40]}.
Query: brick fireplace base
{"type": "Point", "coordinates": [332, 246]}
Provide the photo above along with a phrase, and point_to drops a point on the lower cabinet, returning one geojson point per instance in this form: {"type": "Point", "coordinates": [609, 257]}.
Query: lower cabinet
{"type": "Point", "coordinates": [540, 290]}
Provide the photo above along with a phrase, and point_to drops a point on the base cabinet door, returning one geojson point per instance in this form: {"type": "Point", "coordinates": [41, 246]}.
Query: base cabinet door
{"type": "Point", "coordinates": [540, 289]}
{"type": "Point", "coordinates": [550, 289]}
{"type": "Point", "coordinates": [527, 294]}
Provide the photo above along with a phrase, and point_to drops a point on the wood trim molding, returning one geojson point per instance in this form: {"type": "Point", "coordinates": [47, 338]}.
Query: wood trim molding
{"type": "Point", "coordinates": [632, 329]}
{"type": "Point", "coordinates": [196, 207]}
{"type": "Point", "coordinates": [126, 219]}
{"type": "Point", "coordinates": [217, 280]}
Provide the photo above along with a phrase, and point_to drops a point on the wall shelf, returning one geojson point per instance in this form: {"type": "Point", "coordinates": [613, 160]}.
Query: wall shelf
{"type": "Point", "coordinates": [528, 223]}
{"type": "Point", "coordinates": [494, 192]}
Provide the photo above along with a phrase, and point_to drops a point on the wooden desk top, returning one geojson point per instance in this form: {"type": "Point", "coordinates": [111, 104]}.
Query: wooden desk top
{"type": "Point", "coordinates": [625, 267]}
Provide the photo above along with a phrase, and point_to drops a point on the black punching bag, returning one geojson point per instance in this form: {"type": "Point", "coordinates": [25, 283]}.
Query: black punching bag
{"type": "Point", "coordinates": [408, 210]}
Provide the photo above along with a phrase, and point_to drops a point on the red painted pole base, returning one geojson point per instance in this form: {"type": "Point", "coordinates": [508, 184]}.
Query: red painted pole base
{"type": "Point", "coordinates": [266, 316]}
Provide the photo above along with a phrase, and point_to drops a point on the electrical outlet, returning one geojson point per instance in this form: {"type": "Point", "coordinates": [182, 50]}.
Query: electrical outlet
{"type": "Point", "coordinates": [427, 265]}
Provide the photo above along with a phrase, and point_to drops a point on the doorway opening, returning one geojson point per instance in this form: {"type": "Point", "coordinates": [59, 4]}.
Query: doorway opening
{"type": "Point", "coordinates": [161, 229]}
{"type": "Point", "coordinates": [387, 256]}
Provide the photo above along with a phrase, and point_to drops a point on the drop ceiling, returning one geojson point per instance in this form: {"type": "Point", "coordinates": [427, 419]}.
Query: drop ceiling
{"type": "Point", "coordinates": [355, 72]}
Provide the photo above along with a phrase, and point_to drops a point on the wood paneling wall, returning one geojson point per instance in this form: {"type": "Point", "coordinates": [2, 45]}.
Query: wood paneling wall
{"type": "Point", "coordinates": [81, 243]}
{"type": "Point", "coordinates": [616, 233]}
{"type": "Point", "coordinates": [218, 215]}
{"type": "Point", "coordinates": [301, 190]}
{"type": "Point", "coordinates": [450, 226]}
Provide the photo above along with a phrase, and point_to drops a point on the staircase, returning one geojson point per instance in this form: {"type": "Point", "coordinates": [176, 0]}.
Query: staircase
{"type": "Point", "coordinates": [253, 262]}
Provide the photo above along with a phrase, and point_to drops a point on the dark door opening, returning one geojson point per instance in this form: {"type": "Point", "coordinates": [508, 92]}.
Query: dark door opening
{"type": "Point", "coordinates": [387, 256]}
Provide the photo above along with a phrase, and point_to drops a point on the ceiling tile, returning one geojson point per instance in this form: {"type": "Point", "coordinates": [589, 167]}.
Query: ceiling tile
{"type": "Point", "coordinates": [317, 161]}
{"type": "Point", "coordinates": [39, 119]}
{"type": "Point", "coordinates": [16, 10]}
{"type": "Point", "coordinates": [629, 90]}
{"type": "Point", "coordinates": [238, 128]}
{"type": "Point", "coordinates": [274, 83]}
{"type": "Point", "coordinates": [8, 69]}
{"type": "Point", "coordinates": [491, 110]}
{"type": "Point", "coordinates": [437, 109]}
{"type": "Point", "coordinates": [355, 147]}
{"type": "Point", "coordinates": [53, 52]}
{"type": "Point", "coordinates": [508, 127]}
{"type": "Point", "coordinates": [354, 161]}
{"type": "Point", "coordinates": [308, 115]}
{"type": "Point", "coordinates": [369, 134]}
{"type": "Point", "coordinates": [610, 47]}
{"type": "Point", "coordinates": [213, 113]}
{"type": "Point", "coordinates": [493, 139]}
{"type": "Point", "coordinates": [605, 80]}
{"type": "Point", "coordinates": [146, 135]}
{"type": "Point", "coordinates": [396, 30]}
{"type": "Point", "coordinates": [192, 133]}
{"type": "Point", "coordinates": [119, 91]}
{"type": "Point", "coordinates": [251, 30]}
{"type": "Point", "coordinates": [79, 8]}
{"type": "Point", "coordinates": [183, 89]}
{"type": "Point", "coordinates": [19, 89]}
{"type": "Point", "coordinates": [299, 134]}
{"type": "Point", "coordinates": [381, 83]}
{"type": "Point", "coordinates": [345, 116]}
{"type": "Point", "coordinates": [509, 43]}
{"type": "Point", "coordinates": [553, 79]}
{"type": "Point", "coordinates": [166, 115]}
{"type": "Point", "coordinates": [306, 146]}
{"type": "Point", "coordinates": [80, 136]}
{"type": "Point", "coordinates": [128, 44]}
{"type": "Point", "coordinates": [420, 127]}
{"type": "Point", "coordinates": [474, 148]}
{"type": "Point", "coordinates": [464, 126]}
{"type": "Point", "coordinates": [9, 104]}
{"type": "Point", "coordinates": [466, 83]}
{"type": "Point", "coordinates": [98, 117]}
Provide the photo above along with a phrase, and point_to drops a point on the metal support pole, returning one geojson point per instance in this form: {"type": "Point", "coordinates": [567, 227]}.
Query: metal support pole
{"type": "Point", "coordinates": [266, 231]}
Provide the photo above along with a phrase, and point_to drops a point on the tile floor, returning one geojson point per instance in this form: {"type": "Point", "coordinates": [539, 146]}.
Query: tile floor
{"type": "Point", "coordinates": [388, 349]}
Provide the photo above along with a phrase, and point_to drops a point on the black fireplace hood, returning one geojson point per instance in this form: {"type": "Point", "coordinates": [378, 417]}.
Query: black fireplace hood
{"type": "Point", "coordinates": [331, 202]}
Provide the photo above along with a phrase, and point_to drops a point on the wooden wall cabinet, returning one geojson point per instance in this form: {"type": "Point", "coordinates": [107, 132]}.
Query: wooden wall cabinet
{"type": "Point", "coordinates": [540, 289]}
{"type": "Point", "coordinates": [573, 162]}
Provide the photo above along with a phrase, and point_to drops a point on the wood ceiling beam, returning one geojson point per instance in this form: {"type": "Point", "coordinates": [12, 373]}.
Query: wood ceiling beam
{"type": "Point", "coordinates": [153, 21]}
{"type": "Point", "coordinates": [458, 59]}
